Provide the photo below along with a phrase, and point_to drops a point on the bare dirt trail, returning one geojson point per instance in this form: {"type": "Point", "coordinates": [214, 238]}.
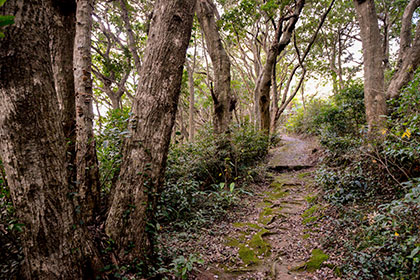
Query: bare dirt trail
{"type": "Point", "coordinates": [268, 237]}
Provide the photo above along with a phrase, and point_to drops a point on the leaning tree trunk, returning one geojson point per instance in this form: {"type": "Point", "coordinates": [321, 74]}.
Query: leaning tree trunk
{"type": "Point", "coordinates": [409, 54]}
{"type": "Point", "coordinates": [32, 140]}
{"type": "Point", "coordinates": [130, 218]}
{"type": "Point", "coordinates": [375, 101]}
{"type": "Point", "coordinates": [281, 40]}
{"type": "Point", "coordinates": [221, 94]}
{"type": "Point", "coordinates": [86, 161]}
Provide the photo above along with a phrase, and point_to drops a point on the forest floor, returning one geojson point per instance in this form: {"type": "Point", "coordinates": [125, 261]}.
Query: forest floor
{"type": "Point", "coordinates": [273, 233]}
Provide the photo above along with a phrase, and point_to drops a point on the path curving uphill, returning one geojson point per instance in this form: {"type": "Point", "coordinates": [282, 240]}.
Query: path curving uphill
{"type": "Point", "coordinates": [270, 238]}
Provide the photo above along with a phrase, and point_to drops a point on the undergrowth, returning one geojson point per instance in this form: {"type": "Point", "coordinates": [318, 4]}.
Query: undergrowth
{"type": "Point", "coordinates": [203, 180]}
{"type": "Point", "coordinates": [371, 184]}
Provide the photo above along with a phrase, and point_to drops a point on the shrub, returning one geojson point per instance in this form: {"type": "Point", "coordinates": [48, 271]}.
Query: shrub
{"type": "Point", "coordinates": [388, 247]}
{"type": "Point", "coordinates": [339, 115]}
{"type": "Point", "coordinates": [109, 138]}
{"type": "Point", "coordinates": [202, 177]}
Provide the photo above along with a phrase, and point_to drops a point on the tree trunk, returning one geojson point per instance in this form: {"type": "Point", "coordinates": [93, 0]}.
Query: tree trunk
{"type": "Point", "coordinates": [375, 101]}
{"type": "Point", "coordinates": [222, 97]}
{"type": "Point", "coordinates": [32, 140]}
{"type": "Point", "coordinates": [62, 42]}
{"type": "Point", "coordinates": [86, 161]}
{"type": "Point", "coordinates": [409, 54]}
{"type": "Point", "coordinates": [281, 40]}
{"type": "Point", "coordinates": [191, 126]}
{"type": "Point", "coordinates": [130, 221]}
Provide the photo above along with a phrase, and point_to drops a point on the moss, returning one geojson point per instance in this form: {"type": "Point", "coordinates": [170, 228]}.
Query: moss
{"type": "Point", "coordinates": [314, 263]}
{"type": "Point", "coordinates": [266, 216]}
{"type": "Point", "coordinates": [276, 185]}
{"type": "Point", "coordinates": [247, 255]}
{"type": "Point", "coordinates": [309, 212]}
{"type": "Point", "coordinates": [306, 236]}
{"type": "Point", "coordinates": [279, 181]}
{"type": "Point", "coordinates": [258, 244]}
{"type": "Point", "coordinates": [312, 214]}
{"type": "Point", "coordinates": [249, 225]}
{"type": "Point", "coordinates": [303, 175]}
{"type": "Point", "coordinates": [309, 220]}
{"type": "Point", "coordinates": [232, 242]}
{"type": "Point", "coordinates": [264, 204]}
{"type": "Point", "coordinates": [310, 198]}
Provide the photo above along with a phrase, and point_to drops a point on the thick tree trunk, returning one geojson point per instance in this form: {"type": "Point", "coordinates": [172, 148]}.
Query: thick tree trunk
{"type": "Point", "coordinates": [130, 219]}
{"type": "Point", "coordinates": [222, 97]}
{"type": "Point", "coordinates": [409, 55]}
{"type": "Point", "coordinates": [375, 101]}
{"type": "Point", "coordinates": [32, 141]}
{"type": "Point", "coordinates": [281, 40]}
{"type": "Point", "coordinates": [86, 161]}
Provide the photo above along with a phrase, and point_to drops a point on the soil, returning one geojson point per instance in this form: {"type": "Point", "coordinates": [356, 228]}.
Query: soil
{"type": "Point", "coordinates": [272, 234]}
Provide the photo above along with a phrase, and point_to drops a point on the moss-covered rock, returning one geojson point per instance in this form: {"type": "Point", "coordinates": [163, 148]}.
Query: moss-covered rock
{"type": "Point", "coordinates": [314, 263]}
{"type": "Point", "coordinates": [247, 255]}
{"type": "Point", "coordinates": [258, 244]}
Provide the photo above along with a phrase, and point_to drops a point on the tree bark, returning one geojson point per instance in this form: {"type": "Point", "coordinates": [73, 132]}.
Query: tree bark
{"type": "Point", "coordinates": [375, 101]}
{"type": "Point", "coordinates": [86, 161]}
{"type": "Point", "coordinates": [61, 44]}
{"type": "Point", "coordinates": [32, 140]}
{"type": "Point", "coordinates": [281, 40]}
{"type": "Point", "coordinates": [130, 221]}
{"type": "Point", "coordinates": [223, 101]}
{"type": "Point", "coordinates": [409, 54]}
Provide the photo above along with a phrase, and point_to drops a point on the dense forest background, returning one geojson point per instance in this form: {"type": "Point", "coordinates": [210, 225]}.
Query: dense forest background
{"type": "Point", "coordinates": [125, 121]}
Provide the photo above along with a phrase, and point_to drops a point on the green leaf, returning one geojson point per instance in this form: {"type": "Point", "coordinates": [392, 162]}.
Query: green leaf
{"type": "Point", "coordinates": [414, 252]}
{"type": "Point", "coordinates": [2, 2]}
{"type": "Point", "coordinates": [6, 20]}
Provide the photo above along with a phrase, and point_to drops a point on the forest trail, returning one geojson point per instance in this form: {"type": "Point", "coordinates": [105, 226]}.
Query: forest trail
{"type": "Point", "coordinates": [267, 237]}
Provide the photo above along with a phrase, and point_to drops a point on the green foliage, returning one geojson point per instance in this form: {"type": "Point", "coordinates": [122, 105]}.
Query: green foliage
{"type": "Point", "coordinates": [381, 178]}
{"type": "Point", "coordinates": [202, 177]}
{"type": "Point", "coordinates": [109, 139]}
{"type": "Point", "coordinates": [389, 246]}
{"type": "Point", "coordinates": [338, 116]}
{"type": "Point", "coordinates": [182, 266]}
{"type": "Point", "coordinates": [402, 142]}
{"type": "Point", "coordinates": [5, 19]}
{"type": "Point", "coordinates": [11, 255]}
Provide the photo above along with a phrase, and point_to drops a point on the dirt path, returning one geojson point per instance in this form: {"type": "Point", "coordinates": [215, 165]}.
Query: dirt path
{"type": "Point", "coordinates": [268, 238]}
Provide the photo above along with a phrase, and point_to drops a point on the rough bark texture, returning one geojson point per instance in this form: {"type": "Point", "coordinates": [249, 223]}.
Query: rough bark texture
{"type": "Point", "coordinates": [375, 101]}
{"type": "Point", "coordinates": [409, 54]}
{"type": "Point", "coordinates": [281, 40]}
{"type": "Point", "coordinates": [154, 108]}
{"type": "Point", "coordinates": [222, 97]}
{"type": "Point", "coordinates": [86, 161]}
{"type": "Point", "coordinates": [61, 44]}
{"type": "Point", "coordinates": [31, 145]}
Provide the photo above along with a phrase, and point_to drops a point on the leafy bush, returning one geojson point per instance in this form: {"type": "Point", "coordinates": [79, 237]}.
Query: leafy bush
{"type": "Point", "coordinates": [109, 138]}
{"type": "Point", "coordinates": [402, 144]}
{"type": "Point", "coordinates": [389, 246]}
{"type": "Point", "coordinates": [340, 115]}
{"type": "Point", "coordinates": [201, 176]}
{"type": "Point", "coordinates": [366, 172]}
